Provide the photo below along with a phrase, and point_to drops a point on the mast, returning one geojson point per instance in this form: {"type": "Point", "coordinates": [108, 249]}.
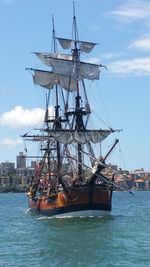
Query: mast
{"type": "Point", "coordinates": [78, 110]}
{"type": "Point", "coordinates": [48, 142]}
{"type": "Point", "coordinates": [57, 123]}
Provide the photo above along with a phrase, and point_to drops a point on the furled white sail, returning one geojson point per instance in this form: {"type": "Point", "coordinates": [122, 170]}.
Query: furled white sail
{"type": "Point", "coordinates": [48, 79]}
{"type": "Point", "coordinates": [63, 64]}
{"type": "Point", "coordinates": [85, 47]}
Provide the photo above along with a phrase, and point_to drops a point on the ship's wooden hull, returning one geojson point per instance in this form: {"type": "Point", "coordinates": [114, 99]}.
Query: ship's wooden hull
{"type": "Point", "coordinates": [80, 201]}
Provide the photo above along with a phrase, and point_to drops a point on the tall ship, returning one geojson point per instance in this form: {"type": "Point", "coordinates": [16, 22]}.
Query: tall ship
{"type": "Point", "coordinates": [69, 179]}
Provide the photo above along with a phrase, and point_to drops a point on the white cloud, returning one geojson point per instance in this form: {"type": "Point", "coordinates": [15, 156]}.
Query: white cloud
{"type": "Point", "coordinates": [110, 56]}
{"type": "Point", "coordinates": [143, 44]}
{"type": "Point", "coordinates": [94, 60]}
{"type": "Point", "coordinates": [135, 66]}
{"type": "Point", "coordinates": [133, 10]}
{"type": "Point", "coordinates": [10, 142]}
{"type": "Point", "coordinates": [19, 117]}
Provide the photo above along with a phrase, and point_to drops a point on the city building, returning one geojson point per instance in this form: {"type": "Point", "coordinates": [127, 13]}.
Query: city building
{"type": "Point", "coordinates": [21, 176]}
{"type": "Point", "coordinates": [7, 168]}
{"type": "Point", "coordinates": [21, 160]}
{"type": "Point", "coordinates": [140, 173]}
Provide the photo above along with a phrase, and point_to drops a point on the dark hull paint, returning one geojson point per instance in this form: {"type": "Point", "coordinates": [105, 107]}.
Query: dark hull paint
{"type": "Point", "coordinates": [72, 208]}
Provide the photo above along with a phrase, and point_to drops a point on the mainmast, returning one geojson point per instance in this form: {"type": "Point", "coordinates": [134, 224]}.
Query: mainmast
{"type": "Point", "coordinates": [79, 125]}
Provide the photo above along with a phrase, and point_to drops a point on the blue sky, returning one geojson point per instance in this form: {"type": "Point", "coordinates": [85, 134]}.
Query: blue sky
{"type": "Point", "coordinates": [122, 30]}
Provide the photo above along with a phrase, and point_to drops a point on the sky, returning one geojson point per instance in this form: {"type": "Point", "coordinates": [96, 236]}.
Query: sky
{"type": "Point", "coordinates": [122, 30]}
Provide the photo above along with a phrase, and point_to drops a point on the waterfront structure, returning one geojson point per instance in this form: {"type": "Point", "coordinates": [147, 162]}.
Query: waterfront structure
{"type": "Point", "coordinates": [7, 168]}
{"type": "Point", "coordinates": [140, 184]}
{"type": "Point", "coordinates": [9, 181]}
{"type": "Point", "coordinates": [9, 176]}
{"type": "Point", "coordinates": [139, 173]}
{"type": "Point", "coordinates": [21, 160]}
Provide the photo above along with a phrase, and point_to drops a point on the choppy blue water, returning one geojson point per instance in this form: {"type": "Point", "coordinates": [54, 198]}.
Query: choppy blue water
{"type": "Point", "coordinates": [121, 239]}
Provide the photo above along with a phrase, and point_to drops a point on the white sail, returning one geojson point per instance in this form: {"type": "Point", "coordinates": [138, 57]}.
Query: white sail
{"type": "Point", "coordinates": [68, 137]}
{"type": "Point", "coordinates": [47, 57]}
{"type": "Point", "coordinates": [76, 70]}
{"type": "Point", "coordinates": [65, 43]}
{"type": "Point", "coordinates": [48, 79]}
{"type": "Point", "coordinates": [63, 64]}
{"type": "Point", "coordinates": [85, 47]}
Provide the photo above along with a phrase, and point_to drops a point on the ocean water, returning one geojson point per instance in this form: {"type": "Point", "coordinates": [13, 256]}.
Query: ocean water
{"type": "Point", "coordinates": [121, 239]}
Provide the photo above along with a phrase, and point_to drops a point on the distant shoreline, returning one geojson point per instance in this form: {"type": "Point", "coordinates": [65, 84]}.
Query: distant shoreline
{"type": "Point", "coordinates": [25, 189]}
{"type": "Point", "coordinates": [13, 189]}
